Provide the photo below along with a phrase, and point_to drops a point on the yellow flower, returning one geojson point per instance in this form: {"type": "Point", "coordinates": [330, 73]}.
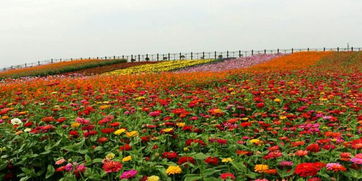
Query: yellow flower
{"type": "Point", "coordinates": [110, 156]}
{"type": "Point", "coordinates": [186, 149]}
{"type": "Point", "coordinates": [244, 119]}
{"type": "Point", "coordinates": [104, 107]}
{"type": "Point", "coordinates": [153, 178]}
{"type": "Point", "coordinates": [173, 170]}
{"type": "Point", "coordinates": [226, 160]}
{"type": "Point", "coordinates": [256, 141]}
{"type": "Point", "coordinates": [282, 117]}
{"type": "Point", "coordinates": [119, 131]}
{"type": "Point", "coordinates": [277, 100]}
{"type": "Point", "coordinates": [5, 117]}
{"type": "Point", "coordinates": [180, 124]}
{"type": "Point", "coordinates": [261, 168]}
{"type": "Point", "coordinates": [127, 158]}
{"type": "Point", "coordinates": [323, 99]}
{"type": "Point", "coordinates": [167, 130]}
{"type": "Point", "coordinates": [132, 134]}
{"type": "Point", "coordinates": [75, 125]}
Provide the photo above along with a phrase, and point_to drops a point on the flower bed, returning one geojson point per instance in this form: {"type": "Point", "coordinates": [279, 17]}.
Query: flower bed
{"type": "Point", "coordinates": [161, 67]}
{"type": "Point", "coordinates": [242, 62]}
{"type": "Point", "coordinates": [59, 68]}
{"type": "Point", "coordinates": [296, 124]}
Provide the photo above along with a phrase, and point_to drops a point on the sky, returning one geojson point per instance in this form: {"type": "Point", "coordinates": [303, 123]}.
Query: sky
{"type": "Point", "coordinates": [33, 30]}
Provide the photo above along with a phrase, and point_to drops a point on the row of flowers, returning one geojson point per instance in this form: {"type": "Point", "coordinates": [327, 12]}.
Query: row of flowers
{"type": "Point", "coordinates": [231, 64]}
{"type": "Point", "coordinates": [59, 68]}
{"type": "Point", "coordinates": [162, 66]}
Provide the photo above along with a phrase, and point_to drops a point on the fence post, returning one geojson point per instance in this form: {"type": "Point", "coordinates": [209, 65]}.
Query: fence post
{"type": "Point", "coordinates": [227, 54]}
{"type": "Point", "coordinates": [264, 51]}
{"type": "Point", "coordinates": [292, 50]}
{"type": "Point", "coordinates": [168, 56]}
{"type": "Point", "coordinates": [191, 56]}
{"type": "Point", "coordinates": [252, 52]}
{"type": "Point", "coordinates": [239, 53]}
{"type": "Point", "coordinates": [337, 49]}
{"type": "Point", "coordinates": [157, 57]}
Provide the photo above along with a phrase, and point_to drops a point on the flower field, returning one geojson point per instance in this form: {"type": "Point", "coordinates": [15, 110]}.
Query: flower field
{"type": "Point", "coordinates": [279, 117]}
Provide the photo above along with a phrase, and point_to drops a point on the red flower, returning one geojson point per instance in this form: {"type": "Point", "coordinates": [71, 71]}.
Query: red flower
{"type": "Point", "coordinates": [260, 105]}
{"type": "Point", "coordinates": [308, 169]}
{"type": "Point", "coordinates": [313, 148]}
{"type": "Point", "coordinates": [102, 140]}
{"type": "Point", "coordinates": [200, 142]}
{"type": "Point", "coordinates": [225, 176]}
{"type": "Point", "coordinates": [73, 133]}
{"type": "Point", "coordinates": [170, 155]}
{"type": "Point", "coordinates": [107, 130]}
{"type": "Point", "coordinates": [126, 147]}
{"type": "Point", "coordinates": [185, 159]}
{"type": "Point", "coordinates": [112, 166]}
{"type": "Point", "coordinates": [47, 119]}
{"type": "Point", "coordinates": [212, 160]}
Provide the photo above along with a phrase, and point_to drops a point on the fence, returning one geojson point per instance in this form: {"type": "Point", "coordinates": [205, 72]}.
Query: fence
{"type": "Point", "coordinates": [183, 56]}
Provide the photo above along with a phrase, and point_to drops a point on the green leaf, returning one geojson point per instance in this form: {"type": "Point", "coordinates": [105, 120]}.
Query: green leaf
{"type": "Point", "coordinates": [50, 171]}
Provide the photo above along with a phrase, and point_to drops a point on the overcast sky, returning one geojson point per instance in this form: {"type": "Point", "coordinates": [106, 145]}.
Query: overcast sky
{"type": "Point", "coordinates": [33, 30]}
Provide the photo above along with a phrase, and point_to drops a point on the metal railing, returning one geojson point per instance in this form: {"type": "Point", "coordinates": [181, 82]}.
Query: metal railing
{"type": "Point", "coordinates": [184, 56]}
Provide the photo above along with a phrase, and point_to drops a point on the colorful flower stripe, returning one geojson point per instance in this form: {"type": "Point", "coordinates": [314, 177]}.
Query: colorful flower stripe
{"type": "Point", "coordinates": [295, 61]}
{"type": "Point", "coordinates": [58, 68]}
{"type": "Point", "coordinates": [161, 67]}
{"type": "Point", "coordinates": [109, 68]}
{"type": "Point", "coordinates": [242, 62]}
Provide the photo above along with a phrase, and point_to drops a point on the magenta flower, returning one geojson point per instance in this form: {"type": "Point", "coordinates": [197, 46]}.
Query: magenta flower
{"type": "Point", "coordinates": [69, 167]}
{"type": "Point", "coordinates": [128, 174]}
{"type": "Point", "coordinates": [357, 159]}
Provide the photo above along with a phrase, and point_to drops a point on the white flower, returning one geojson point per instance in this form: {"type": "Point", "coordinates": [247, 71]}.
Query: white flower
{"type": "Point", "coordinates": [27, 130]}
{"type": "Point", "coordinates": [16, 121]}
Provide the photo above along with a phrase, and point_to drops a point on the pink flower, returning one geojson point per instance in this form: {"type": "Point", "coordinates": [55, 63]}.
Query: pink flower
{"type": "Point", "coordinates": [128, 174]}
{"type": "Point", "coordinates": [1, 121]}
{"type": "Point", "coordinates": [82, 120]}
{"type": "Point", "coordinates": [81, 168]}
{"type": "Point", "coordinates": [357, 159]}
{"type": "Point", "coordinates": [69, 167]}
{"type": "Point", "coordinates": [59, 162]}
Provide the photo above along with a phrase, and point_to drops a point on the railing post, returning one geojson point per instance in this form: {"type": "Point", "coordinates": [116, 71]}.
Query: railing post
{"type": "Point", "coordinates": [352, 49]}
{"type": "Point", "coordinates": [239, 53]}
{"type": "Point", "coordinates": [38, 62]}
{"type": "Point", "coordinates": [337, 49]}
{"type": "Point", "coordinates": [147, 59]}
{"type": "Point", "coordinates": [227, 54]}
{"type": "Point", "coordinates": [25, 64]}
{"type": "Point", "coordinates": [278, 51]}
{"type": "Point", "coordinates": [324, 49]}
{"type": "Point", "coordinates": [180, 56]}
{"type": "Point", "coordinates": [105, 57]}
{"type": "Point", "coordinates": [252, 52]}
{"type": "Point", "coordinates": [131, 58]}
{"type": "Point", "coordinates": [191, 56]}
{"type": "Point", "coordinates": [307, 49]}
{"type": "Point", "coordinates": [114, 57]}
{"type": "Point", "coordinates": [264, 51]}
{"type": "Point", "coordinates": [169, 56]}
{"type": "Point", "coordinates": [51, 60]}
{"type": "Point", "coordinates": [292, 50]}
{"type": "Point", "coordinates": [158, 57]}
